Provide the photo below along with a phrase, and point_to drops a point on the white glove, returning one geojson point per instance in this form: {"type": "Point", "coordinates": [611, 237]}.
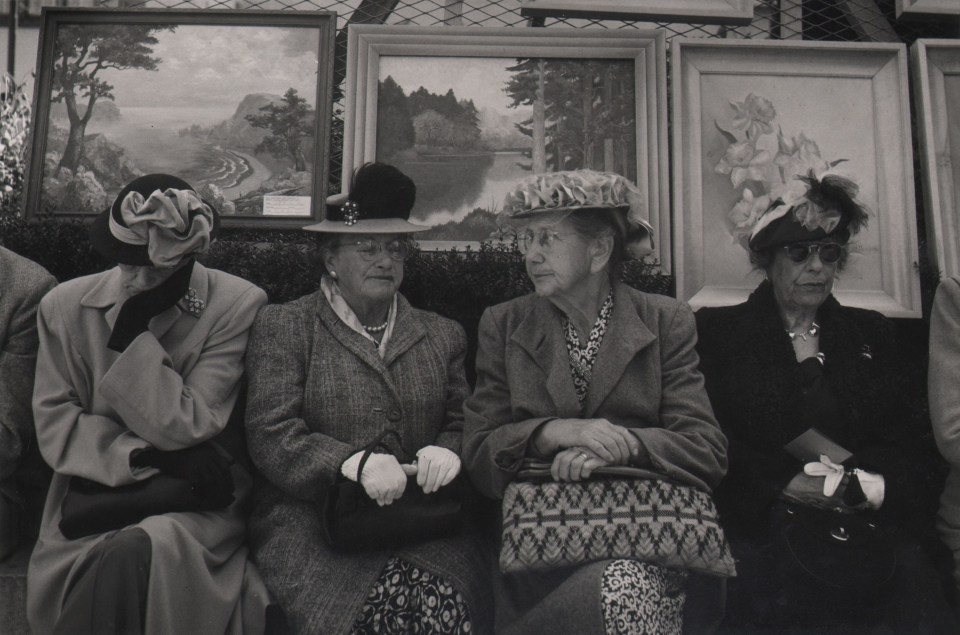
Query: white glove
{"type": "Point", "coordinates": [436, 467]}
{"type": "Point", "coordinates": [383, 478]}
{"type": "Point", "coordinates": [873, 486]}
{"type": "Point", "coordinates": [831, 472]}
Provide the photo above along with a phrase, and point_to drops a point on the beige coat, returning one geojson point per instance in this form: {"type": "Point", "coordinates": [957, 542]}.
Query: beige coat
{"type": "Point", "coordinates": [172, 388]}
{"type": "Point", "coordinates": [944, 394]}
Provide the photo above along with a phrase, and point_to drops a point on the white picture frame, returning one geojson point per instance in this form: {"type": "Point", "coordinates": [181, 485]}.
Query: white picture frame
{"type": "Point", "coordinates": [936, 75]}
{"type": "Point", "coordinates": [927, 8]}
{"type": "Point", "coordinates": [432, 52]}
{"type": "Point", "coordinates": [850, 100]}
{"type": "Point", "coordinates": [731, 12]}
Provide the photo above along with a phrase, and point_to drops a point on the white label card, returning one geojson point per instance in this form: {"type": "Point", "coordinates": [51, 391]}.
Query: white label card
{"type": "Point", "coordinates": [286, 206]}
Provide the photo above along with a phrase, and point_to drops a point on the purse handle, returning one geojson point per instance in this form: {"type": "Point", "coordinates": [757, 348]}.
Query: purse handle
{"type": "Point", "coordinates": [373, 445]}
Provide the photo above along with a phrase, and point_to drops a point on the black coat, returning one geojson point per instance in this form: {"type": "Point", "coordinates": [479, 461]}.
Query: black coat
{"type": "Point", "coordinates": [753, 380]}
{"type": "Point", "coordinates": [754, 383]}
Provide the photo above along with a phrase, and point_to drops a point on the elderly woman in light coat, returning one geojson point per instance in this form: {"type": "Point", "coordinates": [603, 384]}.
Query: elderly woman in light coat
{"type": "Point", "coordinates": [944, 396]}
{"type": "Point", "coordinates": [329, 372]}
{"type": "Point", "coordinates": [583, 373]}
{"type": "Point", "coordinates": [138, 371]}
{"type": "Point", "coordinates": [22, 284]}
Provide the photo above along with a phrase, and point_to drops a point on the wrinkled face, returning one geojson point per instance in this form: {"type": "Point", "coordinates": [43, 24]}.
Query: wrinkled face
{"type": "Point", "coordinates": [801, 285]}
{"type": "Point", "coordinates": [557, 257]}
{"type": "Point", "coordinates": [136, 279]}
{"type": "Point", "coordinates": [369, 267]}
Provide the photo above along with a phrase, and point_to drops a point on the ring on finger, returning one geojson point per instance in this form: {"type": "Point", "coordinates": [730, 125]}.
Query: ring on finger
{"type": "Point", "coordinates": [582, 455]}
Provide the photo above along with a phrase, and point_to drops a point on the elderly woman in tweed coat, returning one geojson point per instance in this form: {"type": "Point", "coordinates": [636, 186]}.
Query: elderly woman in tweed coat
{"type": "Point", "coordinates": [328, 373]}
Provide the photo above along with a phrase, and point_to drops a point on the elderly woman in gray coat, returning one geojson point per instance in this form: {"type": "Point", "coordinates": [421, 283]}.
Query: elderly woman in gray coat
{"type": "Point", "coordinates": [22, 477]}
{"type": "Point", "coordinates": [587, 372]}
{"type": "Point", "coordinates": [328, 373]}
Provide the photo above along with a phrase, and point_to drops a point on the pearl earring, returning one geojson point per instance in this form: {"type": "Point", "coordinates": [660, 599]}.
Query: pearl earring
{"type": "Point", "coordinates": [333, 274]}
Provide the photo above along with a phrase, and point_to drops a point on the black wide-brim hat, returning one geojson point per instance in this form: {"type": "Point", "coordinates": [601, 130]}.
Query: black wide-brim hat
{"type": "Point", "coordinates": [379, 202]}
{"type": "Point", "coordinates": [109, 246]}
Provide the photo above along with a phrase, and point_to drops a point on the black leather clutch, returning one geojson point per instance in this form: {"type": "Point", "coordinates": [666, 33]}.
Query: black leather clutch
{"type": "Point", "coordinates": [352, 521]}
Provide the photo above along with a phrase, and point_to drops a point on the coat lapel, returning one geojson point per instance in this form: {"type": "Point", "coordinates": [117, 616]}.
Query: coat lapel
{"type": "Point", "coordinates": [107, 291]}
{"type": "Point", "coordinates": [364, 349]}
{"type": "Point", "coordinates": [407, 331]}
{"type": "Point", "coordinates": [540, 334]}
{"type": "Point", "coordinates": [626, 336]}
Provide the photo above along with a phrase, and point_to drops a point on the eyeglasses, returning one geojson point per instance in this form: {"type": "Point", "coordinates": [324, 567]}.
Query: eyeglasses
{"type": "Point", "coordinates": [369, 249]}
{"type": "Point", "coordinates": [829, 252]}
{"type": "Point", "coordinates": [547, 239]}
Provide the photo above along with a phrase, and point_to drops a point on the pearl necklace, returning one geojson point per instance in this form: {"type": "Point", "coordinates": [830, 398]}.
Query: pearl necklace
{"type": "Point", "coordinates": [376, 329]}
{"type": "Point", "coordinates": [813, 331]}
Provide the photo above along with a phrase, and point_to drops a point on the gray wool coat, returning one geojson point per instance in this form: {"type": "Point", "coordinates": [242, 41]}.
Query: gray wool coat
{"type": "Point", "coordinates": [318, 392]}
{"type": "Point", "coordinates": [645, 378]}
{"type": "Point", "coordinates": [22, 284]}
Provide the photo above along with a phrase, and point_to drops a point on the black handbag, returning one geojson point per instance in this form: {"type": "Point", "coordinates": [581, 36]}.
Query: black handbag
{"type": "Point", "coordinates": [352, 521]}
{"type": "Point", "coordinates": [829, 558]}
{"type": "Point", "coordinates": [91, 508]}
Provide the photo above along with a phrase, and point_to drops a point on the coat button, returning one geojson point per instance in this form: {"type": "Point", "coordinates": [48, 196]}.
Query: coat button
{"type": "Point", "coordinates": [394, 414]}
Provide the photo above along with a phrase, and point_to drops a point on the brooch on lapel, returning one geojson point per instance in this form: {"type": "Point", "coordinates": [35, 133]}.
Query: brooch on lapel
{"type": "Point", "coordinates": [865, 352]}
{"type": "Point", "coordinates": [192, 304]}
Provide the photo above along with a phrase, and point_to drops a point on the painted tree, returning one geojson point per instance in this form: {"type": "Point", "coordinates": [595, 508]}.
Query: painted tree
{"type": "Point", "coordinates": [395, 131]}
{"type": "Point", "coordinates": [527, 87]}
{"type": "Point", "coordinates": [81, 55]}
{"type": "Point", "coordinates": [289, 121]}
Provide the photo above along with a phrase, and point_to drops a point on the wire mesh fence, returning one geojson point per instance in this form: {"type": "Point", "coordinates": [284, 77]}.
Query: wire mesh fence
{"type": "Point", "coordinates": [838, 20]}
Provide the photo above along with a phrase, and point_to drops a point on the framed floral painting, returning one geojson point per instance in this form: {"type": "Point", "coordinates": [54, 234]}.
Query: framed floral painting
{"type": "Point", "coordinates": [236, 103]}
{"type": "Point", "coordinates": [748, 117]}
{"type": "Point", "coordinates": [936, 65]}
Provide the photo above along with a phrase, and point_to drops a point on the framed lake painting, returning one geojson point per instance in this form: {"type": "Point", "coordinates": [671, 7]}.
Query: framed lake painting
{"type": "Point", "coordinates": [748, 117]}
{"type": "Point", "coordinates": [467, 112]}
{"type": "Point", "coordinates": [936, 65]}
{"type": "Point", "coordinates": [238, 104]}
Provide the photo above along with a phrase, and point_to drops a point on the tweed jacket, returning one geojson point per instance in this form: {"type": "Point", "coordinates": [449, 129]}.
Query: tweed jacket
{"type": "Point", "coordinates": [173, 387]}
{"type": "Point", "coordinates": [318, 392]}
{"type": "Point", "coordinates": [22, 284]}
{"type": "Point", "coordinates": [944, 396]}
{"type": "Point", "coordinates": [754, 382]}
{"type": "Point", "coordinates": [645, 378]}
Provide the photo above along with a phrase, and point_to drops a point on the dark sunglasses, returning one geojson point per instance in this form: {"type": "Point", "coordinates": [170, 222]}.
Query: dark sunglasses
{"type": "Point", "coordinates": [829, 252]}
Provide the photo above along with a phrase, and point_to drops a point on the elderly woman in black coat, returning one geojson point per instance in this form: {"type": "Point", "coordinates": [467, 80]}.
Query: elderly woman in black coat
{"type": "Point", "coordinates": [807, 392]}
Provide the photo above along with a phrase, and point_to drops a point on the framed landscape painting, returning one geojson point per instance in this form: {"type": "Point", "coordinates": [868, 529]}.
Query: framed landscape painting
{"type": "Point", "coordinates": [748, 116]}
{"type": "Point", "coordinates": [936, 65]}
{"type": "Point", "coordinates": [468, 112]}
{"type": "Point", "coordinates": [236, 103]}
{"type": "Point", "coordinates": [699, 11]}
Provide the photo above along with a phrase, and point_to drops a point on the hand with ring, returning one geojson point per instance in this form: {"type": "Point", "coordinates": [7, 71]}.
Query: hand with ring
{"type": "Point", "coordinates": [575, 464]}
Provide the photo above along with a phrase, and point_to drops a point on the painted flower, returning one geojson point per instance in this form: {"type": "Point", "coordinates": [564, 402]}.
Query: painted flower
{"type": "Point", "coordinates": [754, 114]}
{"type": "Point", "coordinates": [743, 163]}
{"type": "Point", "coordinates": [747, 211]}
{"type": "Point", "coordinates": [797, 157]}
